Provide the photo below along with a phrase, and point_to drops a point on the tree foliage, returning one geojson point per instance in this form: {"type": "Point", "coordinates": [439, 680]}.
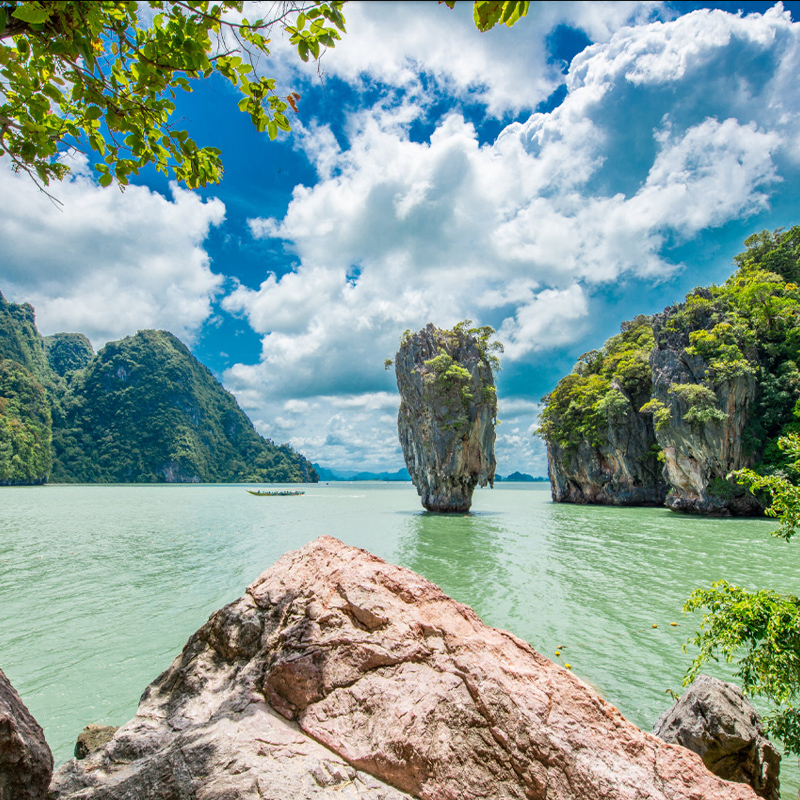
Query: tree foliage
{"type": "Point", "coordinates": [588, 400]}
{"type": "Point", "coordinates": [106, 75]}
{"type": "Point", "coordinates": [25, 426]}
{"type": "Point", "coordinates": [761, 632]}
{"type": "Point", "coordinates": [488, 13]}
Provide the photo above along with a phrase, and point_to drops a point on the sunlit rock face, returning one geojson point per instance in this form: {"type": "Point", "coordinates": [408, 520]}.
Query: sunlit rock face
{"type": "Point", "coordinates": [698, 457]}
{"type": "Point", "coordinates": [338, 676]}
{"type": "Point", "coordinates": [448, 411]}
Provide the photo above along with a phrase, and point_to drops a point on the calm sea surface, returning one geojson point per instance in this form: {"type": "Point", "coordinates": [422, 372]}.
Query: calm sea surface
{"type": "Point", "coordinates": [100, 586]}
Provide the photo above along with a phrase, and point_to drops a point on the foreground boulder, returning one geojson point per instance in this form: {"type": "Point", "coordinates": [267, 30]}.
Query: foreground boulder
{"type": "Point", "coordinates": [334, 648]}
{"type": "Point", "coordinates": [448, 410]}
{"type": "Point", "coordinates": [715, 720]}
{"type": "Point", "coordinates": [26, 762]}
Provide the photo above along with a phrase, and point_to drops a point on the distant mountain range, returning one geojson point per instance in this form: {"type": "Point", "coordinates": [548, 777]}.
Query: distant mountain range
{"type": "Point", "coordinates": [326, 474]}
{"type": "Point", "coordinates": [143, 409]}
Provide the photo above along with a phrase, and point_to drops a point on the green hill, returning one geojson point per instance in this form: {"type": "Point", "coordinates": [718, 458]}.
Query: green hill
{"type": "Point", "coordinates": [142, 410]}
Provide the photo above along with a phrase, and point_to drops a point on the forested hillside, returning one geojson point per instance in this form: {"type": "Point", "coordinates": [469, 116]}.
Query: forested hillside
{"type": "Point", "coordinates": [666, 409]}
{"type": "Point", "coordinates": [142, 410]}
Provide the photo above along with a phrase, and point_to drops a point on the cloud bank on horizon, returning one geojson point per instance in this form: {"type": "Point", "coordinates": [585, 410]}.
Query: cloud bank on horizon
{"type": "Point", "coordinates": [464, 175]}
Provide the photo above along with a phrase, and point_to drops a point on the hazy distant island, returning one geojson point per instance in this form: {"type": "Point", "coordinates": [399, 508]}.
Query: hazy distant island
{"type": "Point", "coordinates": [336, 474]}
{"type": "Point", "coordinates": [141, 410]}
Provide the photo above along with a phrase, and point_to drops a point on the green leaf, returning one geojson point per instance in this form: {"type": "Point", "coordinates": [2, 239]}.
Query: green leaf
{"type": "Point", "coordinates": [272, 129]}
{"type": "Point", "coordinates": [32, 13]}
{"type": "Point", "coordinates": [106, 180]}
{"type": "Point", "coordinates": [93, 112]}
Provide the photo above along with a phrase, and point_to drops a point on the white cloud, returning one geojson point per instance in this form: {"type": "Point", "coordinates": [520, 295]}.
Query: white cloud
{"type": "Point", "coordinates": [107, 263]}
{"type": "Point", "coordinates": [396, 43]}
{"type": "Point", "coordinates": [522, 232]}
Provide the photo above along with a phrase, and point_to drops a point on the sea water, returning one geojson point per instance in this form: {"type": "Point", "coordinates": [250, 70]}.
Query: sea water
{"type": "Point", "coordinates": [100, 586]}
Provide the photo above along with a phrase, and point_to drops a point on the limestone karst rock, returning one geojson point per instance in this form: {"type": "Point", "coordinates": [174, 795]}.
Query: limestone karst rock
{"type": "Point", "coordinates": [715, 720]}
{"type": "Point", "coordinates": [338, 675]}
{"type": "Point", "coordinates": [26, 762]}
{"type": "Point", "coordinates": [621, 471]}
{"type": "Point", "coordinates": [697, 458]}
{"type": "Point", "coordinates": [448, 410]}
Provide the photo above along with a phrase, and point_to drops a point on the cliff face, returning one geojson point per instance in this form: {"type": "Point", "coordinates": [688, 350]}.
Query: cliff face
{"type": "Point", "coordinates": [701, 390]}
{"type": "Point", "coordinates": [698, 455]}
{"type": "Point", "coordinates": [600, 447]}
{"type": "Point", "coordinates": [447, 414]}
{"type": "Point", "coordinates": [338, 675]}
{"type": "Point", "coordinates": [624, 470]}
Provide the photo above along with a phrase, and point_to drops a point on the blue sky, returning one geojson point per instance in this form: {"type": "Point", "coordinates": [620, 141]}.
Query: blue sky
{"type": "Point", "coordinates": [592, 163]}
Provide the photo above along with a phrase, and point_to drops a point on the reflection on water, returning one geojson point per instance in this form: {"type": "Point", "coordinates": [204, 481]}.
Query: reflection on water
{"type": "Point", "coordinates": [100, 586]}
{"type": "Point", "coordinates": [460, 553]}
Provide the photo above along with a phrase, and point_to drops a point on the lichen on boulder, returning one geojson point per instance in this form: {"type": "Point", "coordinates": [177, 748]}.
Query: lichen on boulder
{"type": "Point", "coordinates": [448, 410]}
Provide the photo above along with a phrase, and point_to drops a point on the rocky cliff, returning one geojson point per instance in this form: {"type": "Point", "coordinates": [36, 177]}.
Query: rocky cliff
{"type": "Point", "coordinates": [448, 410]}
{"type": "Point", "coordinates": [338, 675]}
{"type": "Point", "coordinates": [666, 410]}
{"type": "Point", "coordinates": [600, 447]}
{"type": "Point", "coordinates": [702, 440]}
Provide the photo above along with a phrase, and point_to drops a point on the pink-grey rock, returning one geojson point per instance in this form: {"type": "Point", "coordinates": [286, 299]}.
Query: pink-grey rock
{"type": "Point", "coordinates": [336, 658]}
{"type": "Point", "coordinates": [26, 763]}
{"type": "Point", "coordinates": [715, 720]}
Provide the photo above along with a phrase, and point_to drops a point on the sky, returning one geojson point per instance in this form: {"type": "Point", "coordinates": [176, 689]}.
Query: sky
{"type": "Point", "coordinates": [594, 162]}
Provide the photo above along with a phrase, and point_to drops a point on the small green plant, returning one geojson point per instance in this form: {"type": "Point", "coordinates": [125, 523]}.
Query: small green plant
{"type": "Point", "coordinates": [762, 629]}
{"type": "Point", "coordinates": [661, 413]}
{"type": "Point", "coordinates": [702, 402]}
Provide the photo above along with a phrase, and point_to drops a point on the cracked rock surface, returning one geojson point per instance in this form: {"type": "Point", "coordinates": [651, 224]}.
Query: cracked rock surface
{"type": "Point", "coordinates": [338, 675]}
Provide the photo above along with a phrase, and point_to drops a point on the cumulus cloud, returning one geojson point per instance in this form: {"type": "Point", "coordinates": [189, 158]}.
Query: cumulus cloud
{"type": "Point", "coordinates": [522, 232]}
{"type": "Point", "coordinates": [107, 263]}
{"type": "Point", "coordinates": [405, 45]}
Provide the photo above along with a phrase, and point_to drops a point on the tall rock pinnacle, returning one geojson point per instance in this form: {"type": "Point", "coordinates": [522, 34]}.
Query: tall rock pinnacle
{"type": "Point", "coordinates": [448, 411]}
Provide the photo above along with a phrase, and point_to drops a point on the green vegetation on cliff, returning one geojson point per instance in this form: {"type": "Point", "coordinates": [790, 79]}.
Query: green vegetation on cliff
{"type": "Point", "coordinates": [146, 410]}
{"type": "Point", "coordinates": [746, 327]}
{"type": "Point", "coordinates": [142, 410]}
{"type": "Point", "coordinates": [583, 404]}
{"type": "Point", "coordinates": [25, 426]}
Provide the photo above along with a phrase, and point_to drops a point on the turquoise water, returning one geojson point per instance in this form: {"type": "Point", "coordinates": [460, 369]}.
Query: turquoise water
{"type": "Point", "coordinates": [100, 586]}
